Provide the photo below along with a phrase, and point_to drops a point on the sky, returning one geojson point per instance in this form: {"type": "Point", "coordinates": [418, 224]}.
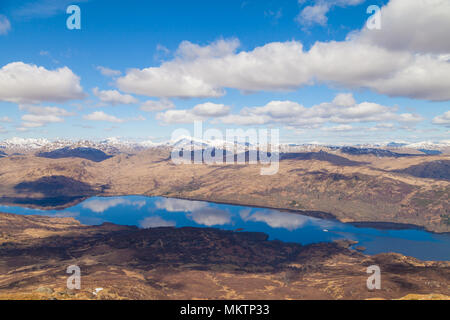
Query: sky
{"type": "Point", "coordinates": [140, 70]}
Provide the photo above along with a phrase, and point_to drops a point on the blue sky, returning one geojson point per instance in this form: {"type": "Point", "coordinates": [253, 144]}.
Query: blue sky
{"type": "Point", "coordinates": [141, 69]}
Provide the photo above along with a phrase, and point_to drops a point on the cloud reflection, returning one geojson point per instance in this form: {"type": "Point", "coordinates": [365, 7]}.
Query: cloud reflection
{"type": "Point", "coordinates": [275, 219]}
{"type": "Point", "coordinates": [100, 205]}
{"type": "Point", "coordinates": [180, 205]}
{"type": "Point", "coordinates": [155, 222]}
{"type": "Point", "coordinates": [211, 217]}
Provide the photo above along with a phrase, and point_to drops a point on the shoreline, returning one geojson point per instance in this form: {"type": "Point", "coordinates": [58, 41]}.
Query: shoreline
{"type": "Point", "coordinates": [378, 225]}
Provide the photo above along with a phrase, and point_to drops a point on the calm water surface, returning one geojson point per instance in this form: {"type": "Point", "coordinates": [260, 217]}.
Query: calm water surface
{"type": "Point", "coordinates": [146, 212]}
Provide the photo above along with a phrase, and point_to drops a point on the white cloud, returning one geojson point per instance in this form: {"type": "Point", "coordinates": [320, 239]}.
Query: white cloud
{"type": "Point", "coordinates": [178, 116]}
{"type": "Point", "coordinates": [340, 128]}
{"type": "Point", "coordinates": [152, 105]}
{"type": "Point", "coordinates": [39, 110]}
{"type": "Point", "coordinates": [317, 13]}
{"type": "Point", "coordinates": [26, 83]}
{"type": "Point", "coordinates": [314, 15]}
{"type": "Point", "coordinates": [101, 116]}
{"type": "Point", "coordinates": [114, 97]}
{"type": "Point", "coordinates": [199, 112]}
{"type": "Point", "coordinates": [5, 25]}
{"type": "Point", "coordinates": [417, 26]}
{"type": "Point", "coordinates": [210, 109]}
{"type": "Point", "coordinates": [41, 119]}
{"type": "Point", "coordinates": [443, 119]}
{"type": "Point", "coordinates": [218, 49]}
{"type": "Point", "coordinates": [406, 62]}
{"type": "Point", "coordinates": [170, 80]}
{"type": "Point", "coordinates": [39, 116]}
{"type": "Point", "coordinates": [156, 222]}
{"type": "Point", "coordinates": [163, 49]}
{"type": "Point", "coordinates": [108, 72]}
{"type": "Point", "coordinates": [286, 66]}
{"type": "Point", "coordinates": [343, 110]}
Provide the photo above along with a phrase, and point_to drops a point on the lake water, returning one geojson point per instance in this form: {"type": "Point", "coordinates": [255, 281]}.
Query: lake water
{"type": "Point", "coordinates": [146, 212]}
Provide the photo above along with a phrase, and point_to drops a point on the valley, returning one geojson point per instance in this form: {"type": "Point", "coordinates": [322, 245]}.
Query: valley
{"type": "Point", "coordinates": [411, 190]}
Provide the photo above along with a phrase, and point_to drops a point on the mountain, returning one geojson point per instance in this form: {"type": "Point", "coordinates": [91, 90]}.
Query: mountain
{"type": "Point", "coordinates": [113, 146]}
{"type": "Point", "coordinates": [435, 170]}
{"type": "Point", "coordinates": [84, 153]}
{"type": "Point", "coordinates": [396, 144]}
{"type": "Point", "coordinates": [430, 152]}
{"type": "Point", "coordinates": [375, 152]}
{"type": "Point", "coordinates": [320, 156]}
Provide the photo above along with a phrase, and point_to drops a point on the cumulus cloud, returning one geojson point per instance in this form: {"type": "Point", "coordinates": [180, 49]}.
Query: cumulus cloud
{"type": "Point", "coordinates": [210, 109]}
{"type": "Point", "coordinates": [39, 116]}
{"type": "Point", "coordinates": [443, 119]}
{"type": "Point", "coordinates": [108, 72]}
{"type": "Point", "coordinates": [404, 63]}
{"type": "Point", "coordinates": [340, 128]}
{"type": "Point", "coordinates": [416, 26]}
{"type": "Point", "coordinates": [41, 119]}
{"type": "Point", "coordinates": [199, 112]}
{"type": "Point", "coordinates": [171, 81]}
{"type": "Point", "coordinates": [5, 25]}
{"type": "Point", "coordinates": [39, 110]}
{"type": "Point", "coordinates": [114, 97]}
{"type": "Point", "coordinates": [314, 15]}
{"type": "Point", "coordinates": [156, 222]}
{"type": "Point", "coordinates": [343, 110]}
{"type": "Point", "coordinates": [102, 116]}
{"type": "Point", "coordinates": [152, 105]}
{"type": "Point", "coordinates": [27, 83]}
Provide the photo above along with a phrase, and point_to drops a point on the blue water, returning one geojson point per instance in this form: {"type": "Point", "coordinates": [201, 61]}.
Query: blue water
{"type": "Point", "coordinates": [146, 212]}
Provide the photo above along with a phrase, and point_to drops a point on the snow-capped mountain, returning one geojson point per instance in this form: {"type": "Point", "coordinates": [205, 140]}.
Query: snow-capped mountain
{"type": "Point", "coordinates": [429, 145]}
{"type": "Point", "coordinates": [115, 145]}
{"type": "Point", "coordinates": [21, 143]}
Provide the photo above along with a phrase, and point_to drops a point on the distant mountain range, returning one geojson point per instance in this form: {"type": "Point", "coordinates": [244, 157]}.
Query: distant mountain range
{"type": "Point", "coordinates": [112, 146]}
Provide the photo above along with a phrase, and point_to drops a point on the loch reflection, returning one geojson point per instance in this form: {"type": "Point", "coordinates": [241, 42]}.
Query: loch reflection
{"type": "Point", "coordinates": [146, 212]}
